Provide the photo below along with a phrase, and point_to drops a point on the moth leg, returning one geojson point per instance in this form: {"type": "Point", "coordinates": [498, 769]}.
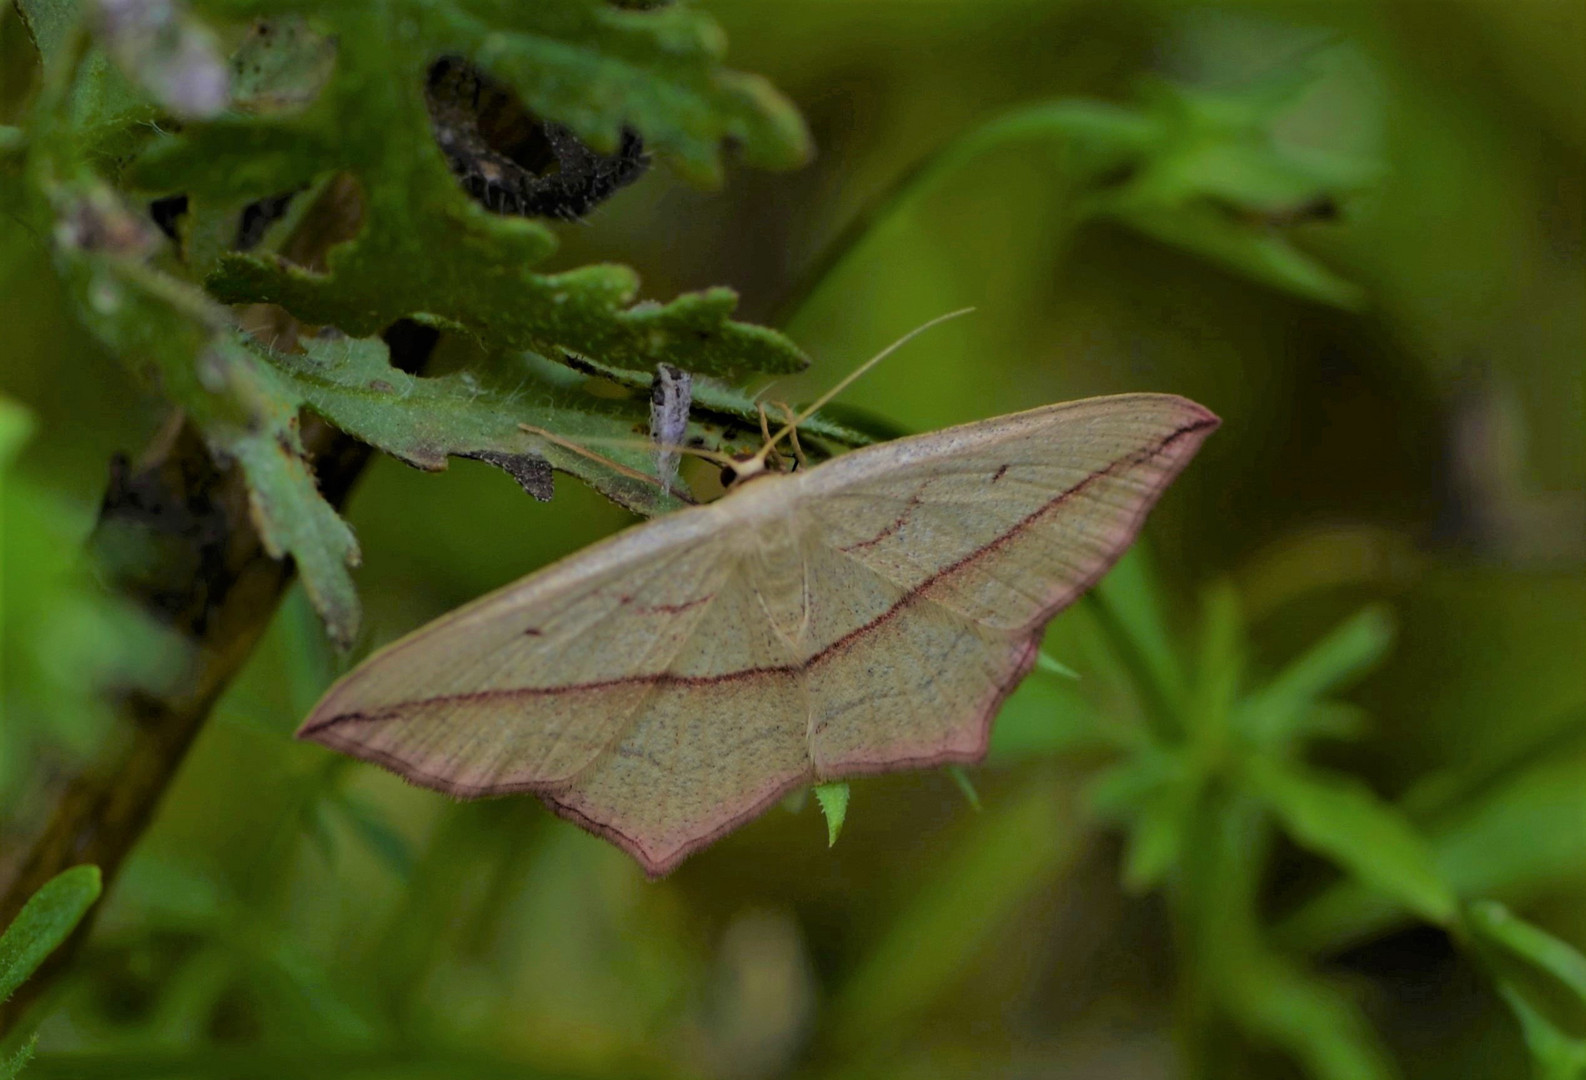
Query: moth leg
{"type": "Point", "coordinates": [765, 428]}
{"type": "Point", "coordinates": [793, 434]}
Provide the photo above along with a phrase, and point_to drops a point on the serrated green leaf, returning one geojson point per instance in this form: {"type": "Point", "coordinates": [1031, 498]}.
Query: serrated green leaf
{"type": "Point", "coordinates": [425, 248]}
{"type": "Point", "coordinates": [104, 112]}
{"type": "Point", "coordinates": [14, 1063]}
{"type": "Point", "coordinates": [170, 333]}
{"type": "Point", "coordinates": [1342, 819]}
{"type": "Point", "coordinates": [49, 24]}
{"type": "Point", "coordinates": [423, 421]}
{"type": "Point", "coordinates": [833, 799]}
{"type": "Point", "coordinates": [292, 517]}
{"type": "Point", "coordinates": [657, 71]}
{"type": "Point", "coordinates": [45, 921]}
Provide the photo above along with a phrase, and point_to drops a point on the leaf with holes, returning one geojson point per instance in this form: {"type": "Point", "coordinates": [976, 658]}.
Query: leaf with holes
{"type": "Point", "coordinates": [425, 248]}
{"type": "Point", "coordinates": [423, 421]}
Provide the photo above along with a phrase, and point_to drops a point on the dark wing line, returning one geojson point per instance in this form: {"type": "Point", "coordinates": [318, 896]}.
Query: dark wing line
{"type": "Point", "coordinates": [912, 594]}
{"type": "Point", "coordinates": [669, 679]}
{"type": "Point", "coordinates": [484, 662]}
{"type": "Point", "coordinates": [629, 719]}
{"type": "Point", "coordinates": [649, 692]}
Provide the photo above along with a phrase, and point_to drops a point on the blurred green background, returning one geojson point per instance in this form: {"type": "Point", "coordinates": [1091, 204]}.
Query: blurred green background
{"type": "Point", "coordinates": [1426, 449]}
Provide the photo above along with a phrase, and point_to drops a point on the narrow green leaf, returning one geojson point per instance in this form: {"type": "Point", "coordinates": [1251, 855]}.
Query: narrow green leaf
{"type": "Point", "coordinates": [1542, 979]}
{"type": "Point", "coordinates": [1356, 646]}
{"type": "Point", "coordinates": [386, 843]}
{"type": "Point", "coordinates": [1156, 842]}
{"type": "Point", "coordinates": [1128, 606]}
{"type": "Point", "coordinates": [1044, 662]}
{"type": "Point", "coordinates": [45, 921]}
{"type": "Point", "coordinates": [1153, 794]}
{"type": "Point", "coordinates": [965, 785]}
{"type": "Point", "coordinates": [1512, 835]}
{"type": "Point", "coordinates": [1046, 717]}
{"type": "Point", "coordinates": [1219, 184]}
{"type": "Point", "coordinates": [16, 425]}
{"type": "Point", "coordinates": [1219, 667]}
{"type": "Point", "coordinates": [1007, 855]}
{"type": "Point", "coordinates": [1234, 971]}
{"type": "Point", "coordinates": [1317, 1024]}
{"type": "Point", "coordinates": [1495, 924]}
{"type": "Point", "coordinates": [833, 799]}
{"type": "Point", "coordinates": [1215, 234]}
{"type": "Point", "coordinates": [1342, 819]}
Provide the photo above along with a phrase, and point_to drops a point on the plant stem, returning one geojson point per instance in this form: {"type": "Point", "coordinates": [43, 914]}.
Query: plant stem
{"type": "Point", "coordinates": [218, 589]}
{"type": "Point", "coordinates": [213, 583]}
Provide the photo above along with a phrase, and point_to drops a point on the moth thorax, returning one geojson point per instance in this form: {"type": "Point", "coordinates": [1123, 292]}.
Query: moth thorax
{"type": "Point", "coordinates": [778, 571]}
{"type": "Point", "coordinates": [742, 470]}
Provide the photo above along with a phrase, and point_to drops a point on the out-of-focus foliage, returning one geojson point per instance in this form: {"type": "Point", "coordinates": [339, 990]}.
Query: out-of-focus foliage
{"type": "Point", "coordinates": [67, 642]}
{"type": "Point", "coordinates": [1259, 835]}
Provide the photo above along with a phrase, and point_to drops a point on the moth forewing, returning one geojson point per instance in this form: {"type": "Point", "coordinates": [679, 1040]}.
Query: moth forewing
{"type": "Point", "coordinates": [865, 615]}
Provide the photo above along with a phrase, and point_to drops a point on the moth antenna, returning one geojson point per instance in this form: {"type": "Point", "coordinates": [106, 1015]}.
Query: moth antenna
{"type": "Point", "coordinates": [847, 380]}
{"type": "Point", "coordinates": [635, 474]}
